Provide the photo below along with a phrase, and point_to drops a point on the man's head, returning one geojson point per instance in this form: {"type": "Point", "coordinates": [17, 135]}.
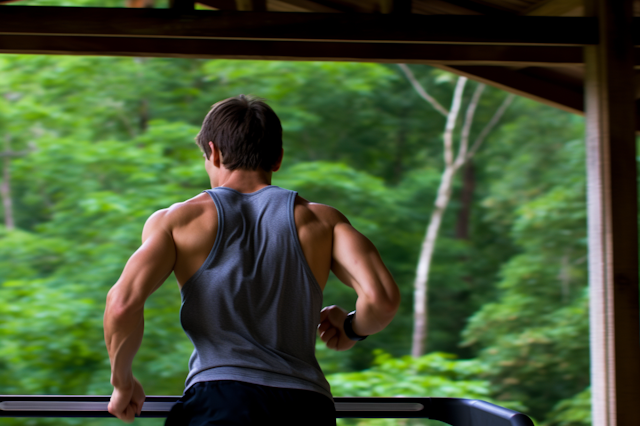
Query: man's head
{"type": "Point", "coordinates": [246, 131]}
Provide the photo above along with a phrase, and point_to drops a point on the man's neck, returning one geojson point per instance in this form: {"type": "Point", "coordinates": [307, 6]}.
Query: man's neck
{"type": "Point", "coordinates": [245, 181]}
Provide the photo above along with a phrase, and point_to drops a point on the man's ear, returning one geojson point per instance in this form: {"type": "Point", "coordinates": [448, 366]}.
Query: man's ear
{"type": "Point", "coordinates": [216, 158]}
{"type": "Point", "coordinates": [276, 167]}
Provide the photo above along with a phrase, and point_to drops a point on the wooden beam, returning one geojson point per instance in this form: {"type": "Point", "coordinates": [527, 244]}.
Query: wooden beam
{"type": "Point", "coordinates": [442, 7]}
{"type": "Point", "coordinates": [521, 84]}
{"type": "Point", "coordinates": [403, 28]}
{"type": "Point", "coordinates": [481, 8]}
{"type": "Point", "coordinates": [553, 7]}
{"type": "Point", "coordinates": [182, 5]}
{"type": "Point", "coordinates": [279, 50]}
{"type": "Point", "coordinates": [395, 6]}
{"type": "Point", "coordinates": [351, 6]}
{"type": "Point", "coordinates": [219, 4]}
{"type": "Point", "coordinates": [251, 5]}
{"type": "Point", "coordinates": [310, 6]}
{"type": "Point", "coordinates": [552, 94]}
{"type": "Point", "coordinates": [613, 217]}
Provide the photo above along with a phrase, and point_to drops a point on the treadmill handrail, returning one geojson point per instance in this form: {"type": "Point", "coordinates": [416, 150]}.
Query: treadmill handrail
{"type": "Point", "coordinates": [453, 411]}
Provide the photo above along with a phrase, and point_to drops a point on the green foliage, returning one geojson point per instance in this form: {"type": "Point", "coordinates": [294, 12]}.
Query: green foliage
{"type": "Point", "coordinates": [436, 374]}
{"type": "Point", "coordinates": [534, 337]}
{"type": "Point", "coordinates": [575, 411]}
{"type": "Point", "coordinates": [96, 209]}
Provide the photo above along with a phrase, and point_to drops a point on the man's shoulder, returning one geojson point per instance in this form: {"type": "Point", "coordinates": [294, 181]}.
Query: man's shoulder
{"type": "Point", "coordinates": [324, 213]}
{"type": "Point", "coordinates": [182, 213]}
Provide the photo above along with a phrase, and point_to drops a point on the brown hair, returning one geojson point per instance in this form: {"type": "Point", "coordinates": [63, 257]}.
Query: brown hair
{"type": "Point", "coordinates": [246, 131]}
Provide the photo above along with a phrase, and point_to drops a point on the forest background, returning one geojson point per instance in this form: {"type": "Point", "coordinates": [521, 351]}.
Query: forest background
{"type": "Point", "coordinates": [92, 146]}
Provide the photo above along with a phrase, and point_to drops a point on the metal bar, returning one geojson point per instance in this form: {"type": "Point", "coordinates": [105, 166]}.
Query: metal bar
{"type": "Point", "coordinates": [454, 411]}
{"type": "Point", "coordinates": [85, 406]}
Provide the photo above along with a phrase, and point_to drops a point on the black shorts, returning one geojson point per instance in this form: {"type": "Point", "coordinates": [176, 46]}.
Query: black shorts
{"type": "Point", "coordinates": [237, 403]}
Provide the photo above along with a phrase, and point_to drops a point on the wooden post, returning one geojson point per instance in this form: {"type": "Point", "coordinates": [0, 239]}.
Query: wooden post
{"type": "Point", "coordinates": [613, 216]}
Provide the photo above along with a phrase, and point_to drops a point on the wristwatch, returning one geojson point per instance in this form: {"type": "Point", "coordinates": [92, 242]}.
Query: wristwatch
{"type": "Point", "coordinates": [348, 328]}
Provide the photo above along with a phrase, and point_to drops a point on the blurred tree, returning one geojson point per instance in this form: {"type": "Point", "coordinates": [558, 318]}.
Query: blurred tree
{"type": "Point", "coordinates": [453, 162]}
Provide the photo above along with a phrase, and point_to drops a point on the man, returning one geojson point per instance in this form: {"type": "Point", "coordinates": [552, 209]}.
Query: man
{"type": "Point", "coordinates": [251, 260]}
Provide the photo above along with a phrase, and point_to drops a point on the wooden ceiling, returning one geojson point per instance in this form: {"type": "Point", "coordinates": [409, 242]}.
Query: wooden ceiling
{"type": "Point", "coordinates": [505, 43]}
{"type": "Point", "coordinates": [435, 7]}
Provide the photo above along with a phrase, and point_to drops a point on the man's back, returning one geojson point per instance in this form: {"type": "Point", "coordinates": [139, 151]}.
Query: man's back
{"type": "Point", "coordinates": [188, 231]}
{"type": "Point", "coordinates": [253, 307]}
{"type": "Point", "coordinates": [194, 227]}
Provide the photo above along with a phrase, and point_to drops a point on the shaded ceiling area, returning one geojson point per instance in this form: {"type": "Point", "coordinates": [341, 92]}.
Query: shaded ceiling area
{"type": "Point", "coordinates": [543, 61]}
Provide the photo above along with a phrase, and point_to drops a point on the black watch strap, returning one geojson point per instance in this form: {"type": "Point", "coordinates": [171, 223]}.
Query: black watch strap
{"type": "Point", "coordinates": [348, 328]}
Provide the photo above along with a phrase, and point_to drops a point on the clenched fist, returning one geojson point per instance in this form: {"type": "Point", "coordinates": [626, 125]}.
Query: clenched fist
{"type": "Point", "coordinates": [126, 401]}
{"type": "Point", "coordinates": [331, 328]}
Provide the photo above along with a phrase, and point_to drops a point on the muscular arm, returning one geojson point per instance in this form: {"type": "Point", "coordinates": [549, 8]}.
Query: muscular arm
{"type": "Point", "coordinates": [356, 262]}
{"type": "Point", "coordinates": [145, 271]}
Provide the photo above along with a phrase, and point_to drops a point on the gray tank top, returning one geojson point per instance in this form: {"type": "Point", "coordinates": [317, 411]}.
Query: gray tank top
{"type": "Point", "coordinates": [252, 309]}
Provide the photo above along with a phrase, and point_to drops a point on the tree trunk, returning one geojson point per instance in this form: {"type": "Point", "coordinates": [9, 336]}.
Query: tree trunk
{"type": "Point", "coordinates": [5, 187]}
{"type": "Point", "coordinates": [452, 164]}
{"type": "Point", "coordinates": [144, 115]}
{"type": "Point", "coordinates": [143, 118]}
{"type": "Point", "coordinates": [420, 300]}
{"type": "Point", "coordinates": [420, 286]}
{"type": "Point", "coordinates": [143, 108]}
{"type": "Point", "coordinates": [466, 200]}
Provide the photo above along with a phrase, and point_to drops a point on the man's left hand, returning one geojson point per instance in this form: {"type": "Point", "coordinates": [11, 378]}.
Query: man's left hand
{"type": "Point", "coordinates": [126, 401]}
{"type": "Point", "coordinates": [331, 328]}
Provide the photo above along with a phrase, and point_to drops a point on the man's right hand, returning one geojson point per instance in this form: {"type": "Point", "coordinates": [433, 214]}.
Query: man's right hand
{"type": "Point", "coordinates": [331, 328]}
